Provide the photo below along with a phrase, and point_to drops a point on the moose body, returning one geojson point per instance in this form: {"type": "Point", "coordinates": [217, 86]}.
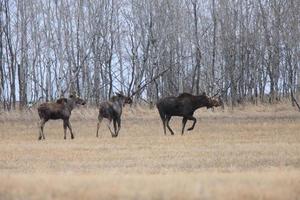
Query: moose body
{"type": "Point", "coordinates": [61, 109]}
{"type": "Point", "coordinates": [112, 110]}
{"type": "Point", "coordinates": [184, 105]}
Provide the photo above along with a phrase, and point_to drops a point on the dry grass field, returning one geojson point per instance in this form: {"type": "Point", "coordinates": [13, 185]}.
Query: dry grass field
{"type": "Point", "coordinates": [248, 153]}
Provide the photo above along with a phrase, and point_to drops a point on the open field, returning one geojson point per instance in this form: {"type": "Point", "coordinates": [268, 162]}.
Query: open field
{"type": "Point", "coordinates": [248, 153]}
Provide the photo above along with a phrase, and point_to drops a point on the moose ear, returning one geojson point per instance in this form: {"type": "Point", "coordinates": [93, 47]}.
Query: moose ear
{"type": "Point", "coordinates": [119, 94]}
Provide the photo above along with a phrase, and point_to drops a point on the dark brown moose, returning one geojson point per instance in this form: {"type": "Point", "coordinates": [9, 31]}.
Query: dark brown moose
{"type": "Point", "coordinates": [112, 110]}
{"type": "Point", "coordinates": [61, 109]}
{"type": "Point", "coordinates": [184, 105]}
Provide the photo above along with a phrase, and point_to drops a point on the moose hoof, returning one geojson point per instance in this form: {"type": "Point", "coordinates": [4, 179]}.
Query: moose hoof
{"type": "Point", "coordinates": [40, 138]}
{"type": "Point", "coordinates": [189, 129]}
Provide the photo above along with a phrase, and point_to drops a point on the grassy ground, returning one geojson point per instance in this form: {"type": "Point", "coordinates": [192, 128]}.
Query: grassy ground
{"type": "Point", "coordinates": [248, 153]}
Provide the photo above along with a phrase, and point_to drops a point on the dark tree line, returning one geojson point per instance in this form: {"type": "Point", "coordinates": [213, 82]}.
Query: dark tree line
{"type": "Point", "coordinates": [248, 50]}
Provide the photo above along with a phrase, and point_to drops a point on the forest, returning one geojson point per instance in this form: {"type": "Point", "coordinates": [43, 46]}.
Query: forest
{"type": "Point", "coordinates": [245, 51]}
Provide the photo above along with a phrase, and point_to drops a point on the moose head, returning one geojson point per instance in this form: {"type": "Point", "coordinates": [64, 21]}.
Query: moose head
{"type": "Point", "coordinates": [77, 99]}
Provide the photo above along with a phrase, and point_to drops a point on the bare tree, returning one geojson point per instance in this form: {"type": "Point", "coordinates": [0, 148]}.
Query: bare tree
{"type": "Point", "coordinates": [249, 49]}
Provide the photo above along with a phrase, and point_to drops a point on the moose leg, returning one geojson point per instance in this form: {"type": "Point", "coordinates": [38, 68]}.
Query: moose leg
{"type": "Point", "coordinates": [65, 128]}
{"type": "Point", "coordinates": [41, 126]}
{"type": "Point", "coordinates": [167, 122]}
{"type": "Point", "coordinates": [108, 125]}
{"type": "Point", "coordinates": [98, 124]}
{"type": "Point", "coordinates": [193, 119]}
{"type": "Point", "coordinates": [119, 124]}
{"type": "Point", "coordinates": [70, 128]}
{"type": "Point", "coordinates": [184, 120]}
{"type": "Point", "coordinates": [115, 128]}
{"type": "Point", "coordinates": [163, 119]}
{"type": "Point", "coordinates": [164, 124]}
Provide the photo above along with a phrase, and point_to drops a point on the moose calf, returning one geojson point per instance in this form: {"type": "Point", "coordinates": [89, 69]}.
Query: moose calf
{"type": "Point", "coordinates": [61, 109]}
{"type": "Point", "coordinates": [112, 110]}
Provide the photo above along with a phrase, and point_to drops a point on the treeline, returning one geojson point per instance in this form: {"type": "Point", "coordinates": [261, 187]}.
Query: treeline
{"type": "Point", "coordinates": [247, 50]}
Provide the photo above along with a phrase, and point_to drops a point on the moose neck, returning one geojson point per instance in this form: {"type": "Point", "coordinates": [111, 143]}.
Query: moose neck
{"type": "Point", "coordinates": [71, 104]}
{"type": "Point", "coordinates": [120, 102]}
{"type": "Point", "coordinates": [200, 101]}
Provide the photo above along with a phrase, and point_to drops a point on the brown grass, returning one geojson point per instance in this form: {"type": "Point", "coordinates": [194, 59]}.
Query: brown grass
{"type": "Point", "coordinates": [248, 153]}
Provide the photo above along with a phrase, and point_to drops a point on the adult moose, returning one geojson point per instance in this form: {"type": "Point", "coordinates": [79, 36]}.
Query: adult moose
{"type": "Point", "coordinates": [112, 110]}
{"type": "Point", "coordinates": [61, 109]}
{"type": "Point", "coordinates": [184, 105]}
